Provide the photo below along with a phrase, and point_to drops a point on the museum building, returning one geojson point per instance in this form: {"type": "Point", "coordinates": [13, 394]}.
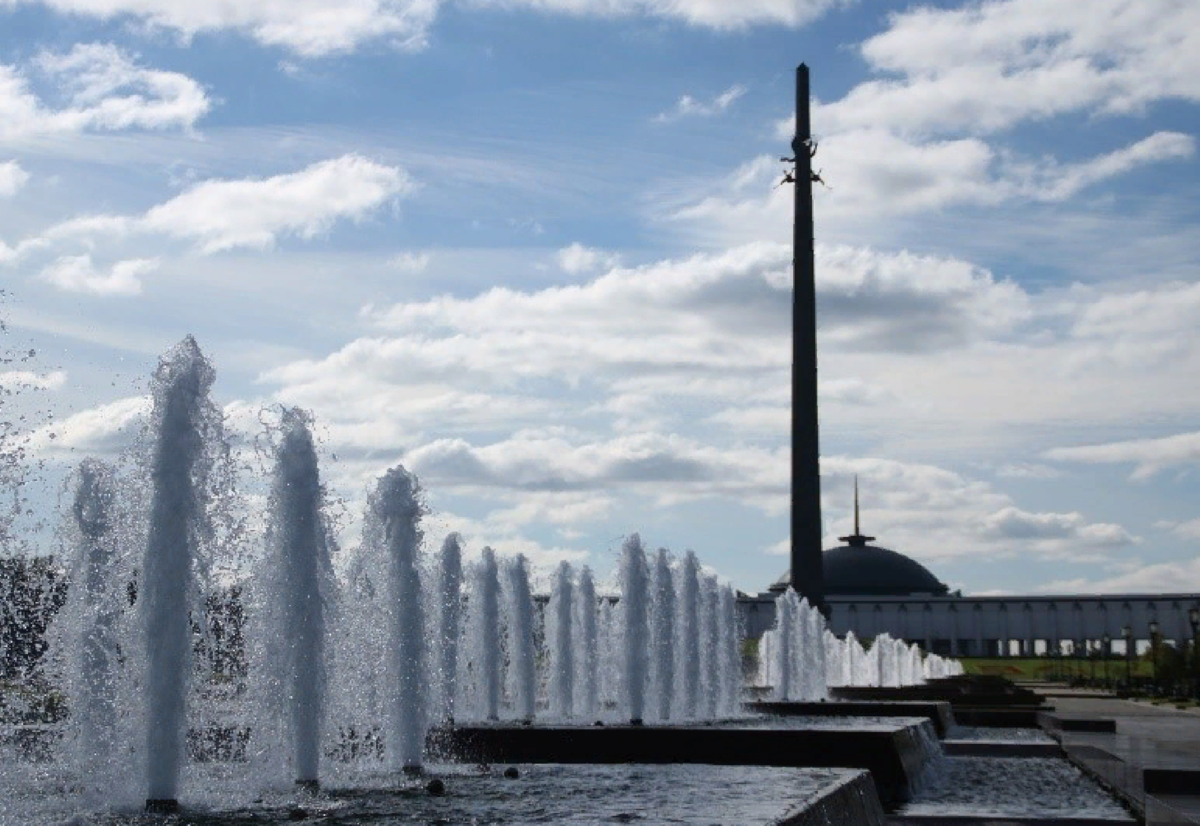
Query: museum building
{"type": "Point", "coordinates": [871, 590]}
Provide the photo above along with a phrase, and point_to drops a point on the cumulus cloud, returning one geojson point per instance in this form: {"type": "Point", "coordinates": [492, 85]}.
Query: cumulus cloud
{"type": "Point", "coordinates": [222, 215]}
{"type": "Point", "coordinates": [1014, 523]}
{"type": "Point", "coordinates": [23, 379]}
{"type": "Point", "coordinates": [99, 431]}
{"type": "Point", "coordinates": [714, 14]}
{"type": "Point", "coordinates": [219, 215]}
{"type": "Point", "coordinates": [77, 274]}
{"type": "Point", "coordinates": [306, 27]}
{"type": "Point", "coordinates": [939, 514]}
{"type": "Point", "coordinates": [688, 106]}
{"type": "Point", "coordinates": [1188, 530]}
{"type": "Point", "coordinates": [874, 173]}
{"type": "Point", "coordinates": [669, 467]}
{"type": "Point", "coordinates": [311, 28]}
{"type": "Point", "coordinates": [1149, 456]}
{"type": "Point", "coordinates": [987, 66]}
{"type": "Point", "coordinates": [1176, 577]}
{"type": "Point", "coordinates": [577, 259]}
{"type": "Point", "coordinates": [12, 178]}
{"type": "Point", "coordinates": [932, 130]}
{"type": "Point", "coordinates": [106, 89]}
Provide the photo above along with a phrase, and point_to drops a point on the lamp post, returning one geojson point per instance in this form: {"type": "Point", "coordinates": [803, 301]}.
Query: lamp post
{"type": "Point", "coordinates": [1105, 650]}
{"type": "Point", "coordinates": [1154, 650]}
{"type": "Point", "coordinates": [1194, 619]}
{"type": "Point", "coordinates": [1127, 634]}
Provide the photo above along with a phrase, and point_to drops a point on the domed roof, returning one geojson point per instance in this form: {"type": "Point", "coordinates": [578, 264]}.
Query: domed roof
{"type": "Point", "coordinates": [868, 570]}
{"type": "Point", "coordinates": [860, 569]}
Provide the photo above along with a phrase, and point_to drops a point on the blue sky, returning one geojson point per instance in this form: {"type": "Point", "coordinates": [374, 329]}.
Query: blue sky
{"type": "Point", "coordinates": [533, 249]}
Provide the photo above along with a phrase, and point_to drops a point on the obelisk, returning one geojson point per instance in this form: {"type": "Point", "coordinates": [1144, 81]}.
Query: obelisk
{"type": "Point", "coordinates": [808, 578]}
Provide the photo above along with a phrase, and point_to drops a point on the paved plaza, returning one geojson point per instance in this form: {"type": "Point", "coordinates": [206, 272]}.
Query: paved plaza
{"type": "Point", "coordinates": [1152, 759]}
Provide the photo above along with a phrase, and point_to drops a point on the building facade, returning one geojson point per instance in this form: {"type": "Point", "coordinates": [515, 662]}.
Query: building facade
{"type": "Point", "coordinates": [871, 590]}
{"type": "Point", "coordinates": [998, 626]}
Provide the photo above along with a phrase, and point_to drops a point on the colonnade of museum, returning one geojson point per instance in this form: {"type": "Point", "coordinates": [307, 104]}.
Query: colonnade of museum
{"type": "Point", "coordinates": [1005, 626]}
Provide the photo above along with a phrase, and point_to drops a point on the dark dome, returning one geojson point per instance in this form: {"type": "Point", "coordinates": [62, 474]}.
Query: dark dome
{"type": "Point", "coordinates": [868, 570]}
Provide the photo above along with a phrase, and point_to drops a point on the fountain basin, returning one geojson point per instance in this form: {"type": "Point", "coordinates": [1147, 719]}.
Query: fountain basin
{"type": "Point", "coordinates": [560, 794]}
{"type": "Point", "coordinates": [895, 755]}
{"type": "Point", "coordinates": [938, 712]}
{"type": "Point", "coordinates": [1003, 789]}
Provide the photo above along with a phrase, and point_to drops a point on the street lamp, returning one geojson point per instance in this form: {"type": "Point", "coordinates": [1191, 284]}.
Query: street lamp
{"type": "Point", "coordinates": [1127, 634]}
{"type": "Point", "coordinates": [1154, 649]}
{"type": "Point", "coordinates": [1105, 650]}
{"type": "Point", "coordinates": [1194, 619]}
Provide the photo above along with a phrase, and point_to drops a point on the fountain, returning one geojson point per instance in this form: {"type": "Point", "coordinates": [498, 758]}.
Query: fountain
{"type": "Point", "coordinates": [710, 648]}
{"type": "Point", "coordinates": [394, 513]}
{"type": "Point", "coordinates": [485, 633]}
{"type": "Point", "coordinates": [297, 586]}
{"type": "Point", "coordinates": [562, 644]}
{"type": "Point", "coordinates": [663, 635]}
{"type": "Point", "coordinates": [347, 675]}
{"type": "Point", "coordinates": [688, 652]}
{"type": "Point", "coordinates": [635, 594]}
{"type": "Point", "coordinates": [90, 617]}
{"type": "Point", "coordinates": [449, 606]}
{"type": "Point", "coordinates": [181, 386]}
{"type": "Point", "coordinates": [586, 642]}
{"type": "Point", "coordinates": [520, 628]}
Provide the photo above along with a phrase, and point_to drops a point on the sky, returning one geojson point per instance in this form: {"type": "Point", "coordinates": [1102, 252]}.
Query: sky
{"type": "Point", "coordinates": [537, 251]}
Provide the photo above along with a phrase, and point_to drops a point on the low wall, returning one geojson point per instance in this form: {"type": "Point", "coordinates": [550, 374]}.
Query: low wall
{"type": "Point", "coordinates": [938, 713]}
{"type": "Point", "coordinates": [852, 802]}
{"type": "Point", "coordinates": [895, 755]}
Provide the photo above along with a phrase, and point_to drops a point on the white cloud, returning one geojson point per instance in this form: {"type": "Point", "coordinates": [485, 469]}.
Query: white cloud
{"type": "Point", "coordinates": [308, 28]}
{"type": "Point", "coordinates": [1014, 523]}
{"type": "Point", "coordinates": [220, 215]}
{"type": "Point", "coordinates": [410, 261]}
{"type": "Point", "coordinates": [1189, 529]}
{"type": "Point", "coordinates": [12, 178]}
{"type": "Point", "coordinates": [933, 513]}
{"type": "Point", "coordinates": [1028, 470]}
{"type": "Point", "coordinates": [1178, 577]}
{"type": "Point", "coordinates": [77, 274]}
{"type": "Point", "coordinates": [716, 14]}
{"type": "Point", "coordinates": [505, 538]}
{"type": "Point", "coordinates": [874, 173]}
{"type": "Point", "coordinates": [688, 106]}
{"type": "Point", "coordinates": [669, 468]}
{"type": "Point", "coordinates": [577, 259]}
{"type": "Point", "coordinates": [311, 28]}
{"type": "Point", "coordinates": [107, 90]}
{"type": "Point", "coordinates": [986, 66]}
{"type": "Point", "coordinates": [22, 379]}
{"type": "Point", "coordinates": [781, 548]}
{"type": "Point", "coordinates": [1149, 456]}
{"type": "Point", "coordinates": [854, 391]}
{"type": "Point", "coordinates": [1065, 181]}
{"type": "Point", "coordinates": [103, 430]}
{"type": "Point", "coordinates": [930, 132]}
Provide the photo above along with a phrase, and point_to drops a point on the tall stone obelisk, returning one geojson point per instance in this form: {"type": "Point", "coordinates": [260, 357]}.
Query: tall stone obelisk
{"type": "Point", "coordinates": [808, 576]}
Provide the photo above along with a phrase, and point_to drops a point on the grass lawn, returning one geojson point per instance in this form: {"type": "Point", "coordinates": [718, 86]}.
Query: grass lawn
{"type": "Point", "coordinates": [1041, 668]}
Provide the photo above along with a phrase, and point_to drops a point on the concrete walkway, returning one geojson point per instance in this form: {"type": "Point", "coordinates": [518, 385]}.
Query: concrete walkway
{"type": "Point", "coordinates": [1153, 759]}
